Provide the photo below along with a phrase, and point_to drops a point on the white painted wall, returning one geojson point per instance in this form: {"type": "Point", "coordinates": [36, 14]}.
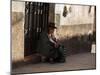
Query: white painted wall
{"type": "Point", "coordinates": [18, 6]}
{"type": "Point", "coordinates": [18, 10]}
{"type": "Point", "coordinates": [79, 14]}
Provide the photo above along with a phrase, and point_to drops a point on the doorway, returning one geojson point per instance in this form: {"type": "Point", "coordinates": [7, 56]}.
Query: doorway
{"type": "Point", "coordinates": [36, 20]}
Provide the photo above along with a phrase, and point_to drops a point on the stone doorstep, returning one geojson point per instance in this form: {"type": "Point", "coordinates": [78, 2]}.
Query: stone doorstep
{"type": "Point", "coordinates": [34, 58]}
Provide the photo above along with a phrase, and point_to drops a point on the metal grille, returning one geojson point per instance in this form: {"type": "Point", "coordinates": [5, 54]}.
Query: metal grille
{"type": "Point", "coordinates": [36, 20]}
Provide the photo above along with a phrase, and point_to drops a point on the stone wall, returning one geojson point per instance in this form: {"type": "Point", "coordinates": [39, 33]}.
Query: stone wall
{"type": "Point", "coordinates": [66, 31]}
{"type": "Point", "coordinates": [17, 36]}
{"type": "Point", "coordinates": [76, 14]}
{"type": "Point", "coordinates": [75, 38]}
{"type": "Point", "coordinates": [75, 30]}
{"type": "Point", "coordinates": [17, 32]}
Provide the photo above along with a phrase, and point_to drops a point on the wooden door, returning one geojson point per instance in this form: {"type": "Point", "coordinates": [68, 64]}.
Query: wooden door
{"type": "Point", "coordinates": [36, 20]}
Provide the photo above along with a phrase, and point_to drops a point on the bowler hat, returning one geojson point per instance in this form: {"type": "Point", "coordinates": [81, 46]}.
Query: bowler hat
{"type": "Point", "coordinates": [52, 25]}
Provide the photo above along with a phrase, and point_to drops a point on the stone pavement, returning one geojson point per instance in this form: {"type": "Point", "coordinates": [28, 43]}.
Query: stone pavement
{"type": "Point", "coordinates": [82, 61]}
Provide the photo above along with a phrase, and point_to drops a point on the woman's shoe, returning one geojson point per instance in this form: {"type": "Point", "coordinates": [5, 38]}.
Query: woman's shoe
{"type": "Point", "coordinates": [51, 61]}
{"type": "Point", "coordinates": [60, 60]}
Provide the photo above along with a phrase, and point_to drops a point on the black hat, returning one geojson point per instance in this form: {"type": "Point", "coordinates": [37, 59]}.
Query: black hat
{"type": "Point", "coordinates": [52, 25]}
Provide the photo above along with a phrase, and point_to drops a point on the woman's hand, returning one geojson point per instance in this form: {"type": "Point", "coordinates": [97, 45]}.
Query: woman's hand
{"type": "Point", "coordinates": [56, 45]}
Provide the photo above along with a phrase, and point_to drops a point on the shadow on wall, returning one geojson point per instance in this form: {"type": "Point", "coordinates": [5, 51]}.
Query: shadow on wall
{"type": "Point", "coordinates": [78, 44]}
{"type": "Point", "coordinates": [17, 17]}
{"type": "Point", "coordinates": [76, 38]}
{"type": "Point", "coordinates": [17, 34]}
